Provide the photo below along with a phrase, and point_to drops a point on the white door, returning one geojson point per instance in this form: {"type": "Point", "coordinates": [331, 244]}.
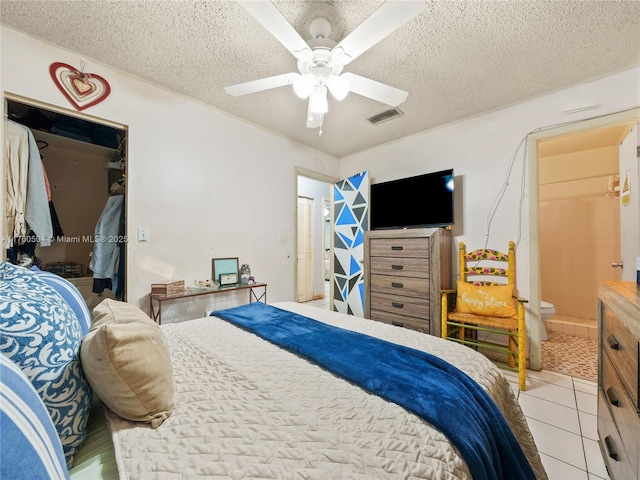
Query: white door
{"type": "Point", "coordinates": [305, 249]}
{"type": "Point", "coordinates": [350, 221]}
{"type": "Point", "coordinates": [629, 206]}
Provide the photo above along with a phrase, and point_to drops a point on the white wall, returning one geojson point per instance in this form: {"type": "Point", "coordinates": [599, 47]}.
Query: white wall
{"type": "Point", "coordinates": [205, 184]}
{"type": "Point", "coordinates": [208, 185]}
{"type": "Point", "coordinates": [480, 150]}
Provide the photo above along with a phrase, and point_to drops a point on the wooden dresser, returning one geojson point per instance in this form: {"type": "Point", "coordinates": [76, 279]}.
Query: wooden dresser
{"type": "Point", "coordinates": [404, 271]}
{"type": "Point", "coordinates": [618, 374]}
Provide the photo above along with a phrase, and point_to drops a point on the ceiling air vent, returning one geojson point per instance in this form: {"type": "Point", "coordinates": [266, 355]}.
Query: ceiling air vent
{"type": "Point", "coordinates": [386, 116]}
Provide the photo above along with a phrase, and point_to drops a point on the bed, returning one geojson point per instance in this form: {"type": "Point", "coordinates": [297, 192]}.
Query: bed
{"type": "Point", "coordinates": [248, 409]}
{"type": "Point", "coordinates": [228, 403]}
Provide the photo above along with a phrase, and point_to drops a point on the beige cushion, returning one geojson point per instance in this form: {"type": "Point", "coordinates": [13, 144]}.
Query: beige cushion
{"type": "Point", "coordinates": [113, 311]}
{"type": "Point", "coordinates": [126, 360]}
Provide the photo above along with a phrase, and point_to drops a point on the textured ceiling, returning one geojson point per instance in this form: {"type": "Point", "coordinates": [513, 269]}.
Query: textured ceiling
{"type": "Point", "coordinates": [456, 59]}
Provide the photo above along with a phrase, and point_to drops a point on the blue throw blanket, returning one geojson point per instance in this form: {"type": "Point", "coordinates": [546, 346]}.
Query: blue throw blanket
{"type": "Point", "coordinates": [420, 382]}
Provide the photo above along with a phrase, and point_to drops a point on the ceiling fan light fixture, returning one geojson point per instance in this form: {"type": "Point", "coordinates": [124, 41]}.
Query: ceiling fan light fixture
{"type": "Point", "coordinates": [338, 86]}
{"type": "Point", "coordinates": [305, 54]}
{"type": "Point", "coordinates": [314, 120]}
{"type": "Point", "coordinates": [304, 85]}
{"type": "Point", "coordinates": [321, 60]}
{"type": "Point", "coordinates": [339, 56]}
{"type": "Point", "coordinates": [318, 100]}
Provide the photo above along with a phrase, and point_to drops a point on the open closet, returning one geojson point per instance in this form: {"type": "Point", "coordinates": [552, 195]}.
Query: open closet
{"type": "Point", "coordinates": [84, 166]}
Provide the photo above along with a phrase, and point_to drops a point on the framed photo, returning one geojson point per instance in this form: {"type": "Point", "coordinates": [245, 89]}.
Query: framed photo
{"type": "Point", "coordinates": [225, 270]}
{"type": "Point", "coordinates": [227, 279]}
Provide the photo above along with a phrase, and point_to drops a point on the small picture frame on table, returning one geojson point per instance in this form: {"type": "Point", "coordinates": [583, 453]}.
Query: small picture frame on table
{"type": "Point", "coordinates": [225, 271]}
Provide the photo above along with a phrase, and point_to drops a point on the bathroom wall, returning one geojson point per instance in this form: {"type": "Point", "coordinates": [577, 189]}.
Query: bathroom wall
{"type": "Point", "coordinates": [579, 229]}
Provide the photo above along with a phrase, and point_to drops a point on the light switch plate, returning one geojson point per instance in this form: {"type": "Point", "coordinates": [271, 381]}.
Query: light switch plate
{"type": "Point", "coordinates": [143, 235]}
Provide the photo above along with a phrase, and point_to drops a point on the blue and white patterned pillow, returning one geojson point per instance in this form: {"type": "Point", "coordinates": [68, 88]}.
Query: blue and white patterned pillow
{"type": "Point", "coordinates": [41, 334]}
{"type": "Point", "coordinates": [30, 447]}
{"type": "Point", "coordinates": [70, 293]}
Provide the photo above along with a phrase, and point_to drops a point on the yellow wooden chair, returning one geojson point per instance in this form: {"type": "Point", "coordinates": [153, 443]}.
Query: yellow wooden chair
{"type": "Point", "coordinates": [486, 303]}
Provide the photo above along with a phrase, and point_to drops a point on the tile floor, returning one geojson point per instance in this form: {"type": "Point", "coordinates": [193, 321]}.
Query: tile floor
{"type": "Point", "coordinates": [572, 355]}
{"type": "Point", "coordinates": [561, 412]}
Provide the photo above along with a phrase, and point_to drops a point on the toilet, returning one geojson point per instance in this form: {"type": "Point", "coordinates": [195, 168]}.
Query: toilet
{"type": "Point", "coordinates": [547, 310]}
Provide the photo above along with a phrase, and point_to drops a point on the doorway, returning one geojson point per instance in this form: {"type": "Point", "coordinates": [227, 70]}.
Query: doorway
{"type": "Point", "coordinates": [535, 143]}
{"type": "Point", "coordinates": [313, 235]}
{"type": "Point", "coordinates": [84, 160]}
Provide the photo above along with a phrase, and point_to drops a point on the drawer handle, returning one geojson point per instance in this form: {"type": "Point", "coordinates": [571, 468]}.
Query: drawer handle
{"type": "Point", "coordinates": [611, 449]}
{"type": "Point", "coordinates": [397, 304]}
{"type": "Point", "coordinates": [397, 267]}
{"type": "Point", "coordinates": [613, 343]}
{"type": "Point", "coordinates": [397, 324]}
{"type": "Point", "coordinates": [612, 396]}
{"type": "Point", "coordinates": [397, 285]}
{"type": "Point", "coordinates": [397, 247]}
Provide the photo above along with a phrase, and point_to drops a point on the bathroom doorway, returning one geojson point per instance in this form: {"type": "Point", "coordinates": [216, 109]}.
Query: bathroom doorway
{"type": "Point", "coordinates": [579, 238]}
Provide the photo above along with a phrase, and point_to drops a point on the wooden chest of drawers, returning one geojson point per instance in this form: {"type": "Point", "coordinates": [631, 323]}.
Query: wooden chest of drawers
{"type": "Point", "coordinates": [618, 374]}
{"type": "Point", "coordinates": [404, 271]}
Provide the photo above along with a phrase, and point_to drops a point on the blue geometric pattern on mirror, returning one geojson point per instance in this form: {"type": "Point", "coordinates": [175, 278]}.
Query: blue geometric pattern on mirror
{"type": "Point", "coordinates": [346, 217]}
{"type": "Point", "coordinates": [355, 267]}
{"type": "Point", "coordinates": [351, 220]}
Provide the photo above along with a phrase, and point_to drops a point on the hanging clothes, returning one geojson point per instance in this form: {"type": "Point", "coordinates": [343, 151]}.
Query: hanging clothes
{"type": "Point", "coordinates": [120, 276]}
{"type": "Point", "coordinates": [55, 223]}
{"type": "Point", "coordinates": [106, 247]}
{"type": "Point", "coordinates": [16, 158]}
{"type": "Point", "coordinates": [27, 206]}
{"type": "Point", "coordinates": [37, 212]}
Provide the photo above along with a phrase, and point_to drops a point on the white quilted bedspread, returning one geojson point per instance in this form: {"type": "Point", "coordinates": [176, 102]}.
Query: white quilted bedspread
{"type": "Point", "coordinates": [246, 409]}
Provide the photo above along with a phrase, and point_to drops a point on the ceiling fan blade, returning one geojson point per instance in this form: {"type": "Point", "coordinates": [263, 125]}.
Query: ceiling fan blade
{"type": "Point", "coordinates": [390, 16]}
{"type": "Point", "coordinates": [377, 91]}
{"type": "Point", "coordinates": [268, 15]}
{"type": "Point", "coordinates": [262, 84]}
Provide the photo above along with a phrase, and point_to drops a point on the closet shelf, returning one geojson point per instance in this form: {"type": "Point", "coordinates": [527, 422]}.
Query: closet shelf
{"type": "Point", "coordinates": [60, 141]}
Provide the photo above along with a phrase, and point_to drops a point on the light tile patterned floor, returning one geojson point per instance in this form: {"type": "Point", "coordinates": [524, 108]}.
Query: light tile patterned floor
{"type": "Point", "coordinates": [572, 355]}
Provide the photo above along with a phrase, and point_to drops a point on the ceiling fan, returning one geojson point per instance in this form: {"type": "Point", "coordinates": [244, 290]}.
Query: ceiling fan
{"type": "Point", "coordinates": [321, 60]}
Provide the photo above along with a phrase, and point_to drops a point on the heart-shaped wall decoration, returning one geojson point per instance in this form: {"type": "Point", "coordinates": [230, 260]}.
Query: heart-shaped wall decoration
{"type": "Point", "coordinates": [83, 90]}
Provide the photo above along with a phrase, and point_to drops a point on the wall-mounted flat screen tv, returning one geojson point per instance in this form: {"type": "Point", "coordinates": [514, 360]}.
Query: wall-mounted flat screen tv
{"type": "Point", "coordinates": [420, 201]}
